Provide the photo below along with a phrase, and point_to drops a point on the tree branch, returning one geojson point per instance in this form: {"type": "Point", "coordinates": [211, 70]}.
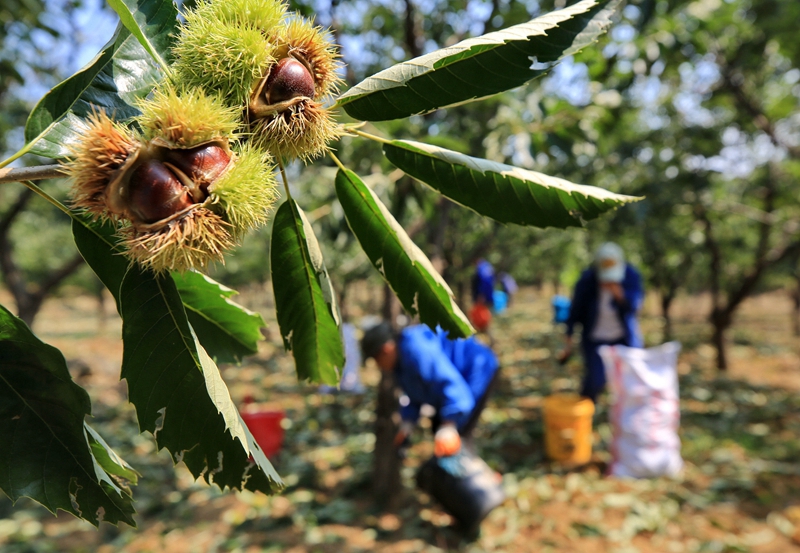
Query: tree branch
{"type": "Point", "coordinates": [411, 29]}
{"type": "Point", "coordinates": [716, 255]}
{"type": "Point", "coordinates": [12, 213]}
{"type": "Point", "coordinates": [750, 106]}
{"type": "Point", "coordinates": [55, 279]}
{"type": "Point", "coordinates": [761, 261]}
{"type": "Point", "coordinates": [40, 172]}
{"type": "Point", "coordinates": [11, 273]}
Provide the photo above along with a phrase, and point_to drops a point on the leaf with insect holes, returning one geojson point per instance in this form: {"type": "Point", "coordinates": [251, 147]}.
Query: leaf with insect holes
{"type": "Point", "coordinates": [45, 454]}
{"type": "Point", "coordinates": [176, 387]}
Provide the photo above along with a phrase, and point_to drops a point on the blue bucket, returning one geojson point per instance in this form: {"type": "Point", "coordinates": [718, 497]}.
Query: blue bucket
{"type": "Point", "coordinates": [561, 305]}
{"type": "Point", "coordinates": [500, 300]}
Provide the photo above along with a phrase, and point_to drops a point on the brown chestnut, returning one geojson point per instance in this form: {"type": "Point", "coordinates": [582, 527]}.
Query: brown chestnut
{"type": "Point", "coordinates": [155, 193]}
{"type": "Point", "coordinates": [289, 79]}
{"type": "Point", "coordinates": [202, 164]}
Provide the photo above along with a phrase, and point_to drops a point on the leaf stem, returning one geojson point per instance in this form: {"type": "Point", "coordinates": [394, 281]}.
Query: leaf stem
{"type": "Point", "coordinates": [28, 147]}
{"type": "Point", "coordinates": [48, 197]}
{"type": "Point", "coordinates": [370, 136]}
{"type": "Point", "coordinates": [39, 172]}
{"type": "Point", "coordinates": [336, 161]}
{"type": "Point", "coordinates": [285, 180]}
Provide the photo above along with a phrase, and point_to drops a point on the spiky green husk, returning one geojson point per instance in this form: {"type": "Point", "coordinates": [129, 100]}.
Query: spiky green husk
{"type": "Point", "coordinates": [302, 131]}
{"type": "Point", "coordinates": [103, 148]}
{"type": "Point", "coordinates": [221, 57]}
{"type": "Point", "coordinates": [190, 242]}
{"type": "Point", "coordinates": [244, 194]}
{"type": "Point", "coordinates": [187, 118]}
{"type": "Point", "coordinates": [257, 14]}
{"type": "Point", "coordinates": [301, 38]}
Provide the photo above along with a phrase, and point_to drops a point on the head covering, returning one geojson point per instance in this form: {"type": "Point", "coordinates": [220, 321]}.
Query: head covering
{"type": "Point", "coordinates": [374, 338]}
{"type": "Point", "coordinates": [609, 260]}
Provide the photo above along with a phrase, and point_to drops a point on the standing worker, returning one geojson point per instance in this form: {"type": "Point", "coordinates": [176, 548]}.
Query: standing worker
{"type": "Point", "coordinates": [482, 295]}
{"type": "Point", "coordinates": [605, 303]}
{"type": "Point", "coordinates": [483, 283]}
{"type": "Point", "coordinates": [453, 376]}
{"type": "Point", "coordinates": [509, 286]}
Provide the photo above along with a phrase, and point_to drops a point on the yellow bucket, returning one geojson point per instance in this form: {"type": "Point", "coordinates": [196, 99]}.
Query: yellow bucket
{"type": "Point", "coordinates": [568, 428]}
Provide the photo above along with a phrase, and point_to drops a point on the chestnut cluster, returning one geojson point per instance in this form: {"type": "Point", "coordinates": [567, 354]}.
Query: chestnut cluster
{"type": "Point", "coordinates": [278, 66]}
{"type": "Point", "coordinates": [194, 171]}
{"type": "Point", "coordinates": [159, 189]}
{"type": "Point", "coordinates": [182, 191]}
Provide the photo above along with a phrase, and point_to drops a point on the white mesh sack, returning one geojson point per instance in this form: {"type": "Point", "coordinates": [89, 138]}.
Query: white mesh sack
{"type": "Point", "coordinates": [645, 411]}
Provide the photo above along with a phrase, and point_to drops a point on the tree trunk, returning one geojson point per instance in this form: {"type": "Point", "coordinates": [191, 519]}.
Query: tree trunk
{"type": "Point", "coordinates": [413, 34]}
{"type": "Point", "coordinates": [386, 463]}
{"type": "Point", "coordinates": [29, 303]}
{"type": "Point", "coordinates": [28, 306]}
{"type": "Point", "coordinates": [666, 304]}
{"type": "Point", "coordinates": [720, 321]}
{"type": "Point", "coordinates": [436, 235]}
{"type": "Point", "coordinates": [29, 299]}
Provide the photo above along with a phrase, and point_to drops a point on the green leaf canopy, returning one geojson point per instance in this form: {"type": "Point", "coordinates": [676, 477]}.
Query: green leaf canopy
{"type": "Point", "coordinates": [478, 67]}
{"type": "Point", "coordinates": [227, 330]}
{"type": "Point", "coordinates": [178, 392]}
{"type": "Point", "coordinates": [44, 453]}
{"type": "Point", "coordinates": [505, 193]}
{"type": "Point", "coordinates": [408, 271]}
{"type": "Point", "coordinates": [304, 299]}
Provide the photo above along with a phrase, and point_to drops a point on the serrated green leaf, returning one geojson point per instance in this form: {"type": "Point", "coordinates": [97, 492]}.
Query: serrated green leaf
{"type": "Point", "coordinates": [304, 300]}
{"type": "Point", "coordinates": [227, 330]}
{"type": "Point", "coordinates": [478, 67]}
{"type": "Point", "coordinates": [45, 454]}
{"type": "Point", "coordinates": [408, 271]}
{"type": "Point", "coordinates": [121, 73]}
{"type": "Point", "coordinates": [152, 22]}
{"type": "Point", "coordinates": [177, 389]}
{"type": "Point", "coordinates": [111, 82]}
{"type": "Point", "coordinates": [505, 193]}
{"type": "Point", "coordinates": [107, 459]}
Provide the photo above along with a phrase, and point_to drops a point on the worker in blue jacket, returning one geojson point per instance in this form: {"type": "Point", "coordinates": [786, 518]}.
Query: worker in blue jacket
{"type": "Point", "coordinates": [483, 283]}
{"type": "Point", "coordinates": [605, 303]}
{"type": "Point", "coordinates": [453, 376]}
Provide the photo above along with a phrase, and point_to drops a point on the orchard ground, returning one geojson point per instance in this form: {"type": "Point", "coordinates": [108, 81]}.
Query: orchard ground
{"type": "Point", "coordinates": [740, 433]}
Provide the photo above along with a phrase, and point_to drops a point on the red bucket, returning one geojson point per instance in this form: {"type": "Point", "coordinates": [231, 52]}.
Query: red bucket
{"type": "Point", "coordinates": [265, 426]}
{"type": "Point", "coordinates": [480, 316]}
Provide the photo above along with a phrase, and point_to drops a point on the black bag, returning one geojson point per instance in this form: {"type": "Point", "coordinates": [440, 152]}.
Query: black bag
{"type": "Point", "coordinates": [465, 486]}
